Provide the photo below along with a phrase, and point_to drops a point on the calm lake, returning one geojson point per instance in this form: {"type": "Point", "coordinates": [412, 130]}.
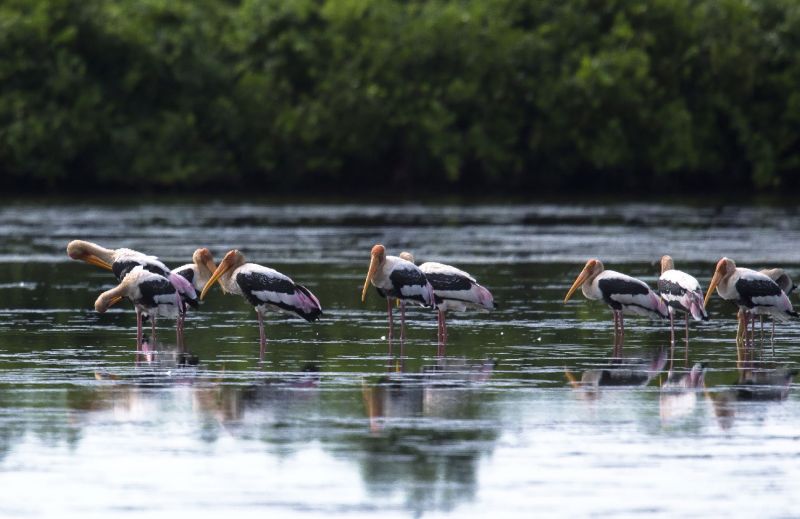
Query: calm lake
{"type": "Point", "coordinates": [335, 421]}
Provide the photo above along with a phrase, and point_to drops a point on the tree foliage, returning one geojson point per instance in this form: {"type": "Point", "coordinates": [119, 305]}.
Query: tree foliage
{"type": "Point", "coordinates": [455, 94]}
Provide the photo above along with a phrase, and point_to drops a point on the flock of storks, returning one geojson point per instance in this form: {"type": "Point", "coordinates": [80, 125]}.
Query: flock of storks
{"type": "Point", "coordinates": [156, 291]}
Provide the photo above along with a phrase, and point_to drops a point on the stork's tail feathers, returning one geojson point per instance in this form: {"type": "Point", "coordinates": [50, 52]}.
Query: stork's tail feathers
{"type": "Point", "coordinates": [485, 298]}
{"type": "Point", "coordinates": [306, 304]}
{"type": "Point", "coordinates": [657, 305]}
{"type": "Point", "coordinates": [429, 296]}
{"type": "Point", "coordinates": [185, 289]}
{"type": "Point", "coordinates": [697, 307]}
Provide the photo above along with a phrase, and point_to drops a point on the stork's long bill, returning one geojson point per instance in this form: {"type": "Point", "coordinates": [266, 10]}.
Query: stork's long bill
{"type": "Point", "coordinates": [581, 279]}
{"type": "Point", "coordinates": [97, 262]}
{"type": "Point", "coordinates": [224, 266]}
{"type": "Point", "coordinates": [377, 253]}
{"type": "Point", "coordinates": [718, 275]}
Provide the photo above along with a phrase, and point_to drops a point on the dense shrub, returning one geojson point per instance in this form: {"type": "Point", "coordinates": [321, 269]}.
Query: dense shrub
{"type": "Point", "coordinates": [275, 95]}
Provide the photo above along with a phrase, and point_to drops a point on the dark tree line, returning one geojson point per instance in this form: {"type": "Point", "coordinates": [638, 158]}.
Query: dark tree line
{"type": "Point", "coordinates": [275, 95]}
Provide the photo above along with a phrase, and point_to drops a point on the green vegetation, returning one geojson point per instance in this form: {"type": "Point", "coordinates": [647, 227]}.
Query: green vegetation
{"type": "Point", "coordinates": [536, 95]}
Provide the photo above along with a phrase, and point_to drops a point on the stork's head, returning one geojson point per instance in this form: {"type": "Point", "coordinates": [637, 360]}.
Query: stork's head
{"type": "Point", "coordinates": [407, 256]}
{"type": "Point", "coordinates": [204, 262]}
{"type": "Point", "coordinates": [90, 253]}
{"type": "Point", "coordinates": [378, 257]}
{"type": "Point", "coordinates": [725, 268]}
{"type": "Point", "coordinates": [111, 297]}
{"type": "Point", "coordinates": [666, 263]}
{"type": "Point", "coordinates": [232, 260]}
{"type": "Point", "coordinates": [592, 268]}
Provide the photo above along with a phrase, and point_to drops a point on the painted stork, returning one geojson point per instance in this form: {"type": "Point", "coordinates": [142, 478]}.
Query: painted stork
{"type": "Point", "coordinates": [397, 279]}
{"type": "Point", "coordinates": [264, 288]}
{"type": "Point", "coordinates": [682, 293]}
{"type": "Point", "coordinates": [119, 261]}
{"type": "Point", "coordinates": [779, 276]}
{"type": "Point", "coordinates": [453, 289]}
{"type": "Point", "coordinates": [623, 293]}
{"type": "Point", "coordinates": [152, 294]}
{"type": "Point", "coordinates": [754, 293]}
{"type": "Point", "coordinates": [198, 272]}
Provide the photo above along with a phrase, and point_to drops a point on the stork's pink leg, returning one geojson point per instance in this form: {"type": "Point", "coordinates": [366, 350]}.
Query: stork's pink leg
{"type": "Point", "coordinates": [444, 328]}
{"type": "Point", "coordinates": [153, 329]}
{"type": "Point", "coordinates": [389, 312]}
{"type": "Point", "coordinates": [402, 321]}
{"type": "Point", "coordinates": [262, 336]}
{"type": "Point", "coordinates": [772, 338]}
{"type": "Point", "coordinates": [671, 336]}
{"type": "Point", "coordinates": [686, 338]}
{"type": "Point", "coordinates": [139, 331]}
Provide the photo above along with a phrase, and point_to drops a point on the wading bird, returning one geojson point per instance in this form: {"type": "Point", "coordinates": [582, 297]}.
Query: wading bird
{"type": "Point", "coordinates": [153, 295]}
{"type": "Point", "coordinates": [119, 261]}
{"type": "Point", "coordinates": [753, 292]}
{"type": "Point", "coordinates": [197, 273]}
{"type": "Point", "coordinates": [396, 279]}
{"type": "Point", "coordinates": [453, 289]}
{"type": "Point", "coordinates": [264, 288]}
{"type": "Point", "coordinates": [682, 293]}
{"type": "Point", "coordinates": [623, 293]}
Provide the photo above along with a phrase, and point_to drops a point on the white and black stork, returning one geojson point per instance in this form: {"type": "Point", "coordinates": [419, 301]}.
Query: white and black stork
{"type": "Point", "coordinates": [121, 262]}
{"type": "Point", "coordinates": [151, 294]}
{"type": "Point", "coordinates": [453, 289]}
{"type": "Point", "coordinates": [755, 294]}
{"type": "Point", "coordinates": [397, 279]}
{"type": "Point", "coordinates": [118, 261]}
{"type": "Point", "coordinates": [682, 293]}
{"type": "Point", "coordinates": [264, 288]}
{"type": "Point", "coordinates": [623, 293]}
{"type": "Point", "coordinates": [198, 272]}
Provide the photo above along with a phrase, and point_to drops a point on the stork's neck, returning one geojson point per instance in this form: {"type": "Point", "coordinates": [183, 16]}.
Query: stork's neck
{"type": "Point", "coordinates": [589, 287]}
{"type": "Point", "coordinates": [94, 249]}
{"type": "Point", "coordinates": [228, 284]}
{"type": "Point", "coordinates": [725, 287]}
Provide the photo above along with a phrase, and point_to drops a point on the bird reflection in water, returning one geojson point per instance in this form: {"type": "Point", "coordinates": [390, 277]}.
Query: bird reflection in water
{"type": "Point", "coordinates": [227, 404]}
{"type": "Point", "coordinates": [752, 385]}
{"type": "Point", "coordinates": [678, 397]}
{"type": "Point", "coordinates": [634, 372]}
{"type": "Point", "coordinates": [435, 392]}
{"type": "Point", "coordinates": [427, 434]}
{"type": "Point", "coordinates": [149, 354]}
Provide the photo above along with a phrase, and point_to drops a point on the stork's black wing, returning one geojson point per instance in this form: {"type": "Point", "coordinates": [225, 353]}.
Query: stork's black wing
{"type": "Point", "coordinates": [749, 288]}
{"type": "Point", "coordinates": [448, 282]}
{"type": "Point", "coordinates": [121, 268]}
{"type": "Point", "coordinates": [157, 291]}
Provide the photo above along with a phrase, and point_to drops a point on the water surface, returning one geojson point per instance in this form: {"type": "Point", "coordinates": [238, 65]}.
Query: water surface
{"type": "Point", "coordinates": [336, 421]}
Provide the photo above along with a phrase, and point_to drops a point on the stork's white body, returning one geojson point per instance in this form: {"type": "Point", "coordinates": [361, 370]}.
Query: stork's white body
{"type": "Point", "coordinates": [626, 294]}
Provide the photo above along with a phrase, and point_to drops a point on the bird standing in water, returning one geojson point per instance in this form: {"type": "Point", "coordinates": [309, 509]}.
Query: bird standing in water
{"type": "Point", "coordinates": [681, 292]}
{"type": "Point", "coordinates": [453, 289]}
{"type": "Point", "coordinates": [622, 293]}
{"type": "Point", "coordinates": [396, 279]}
{"type": "Point", "coordinates": [754, 293]}
{"type": "Point", "coordinates": [265, 289]}
{"type": "Point", "coordinates": [151, 294]}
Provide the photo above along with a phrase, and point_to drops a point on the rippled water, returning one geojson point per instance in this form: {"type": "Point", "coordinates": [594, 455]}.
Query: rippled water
{"type": "Point", "coordinates": [336, 421]}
